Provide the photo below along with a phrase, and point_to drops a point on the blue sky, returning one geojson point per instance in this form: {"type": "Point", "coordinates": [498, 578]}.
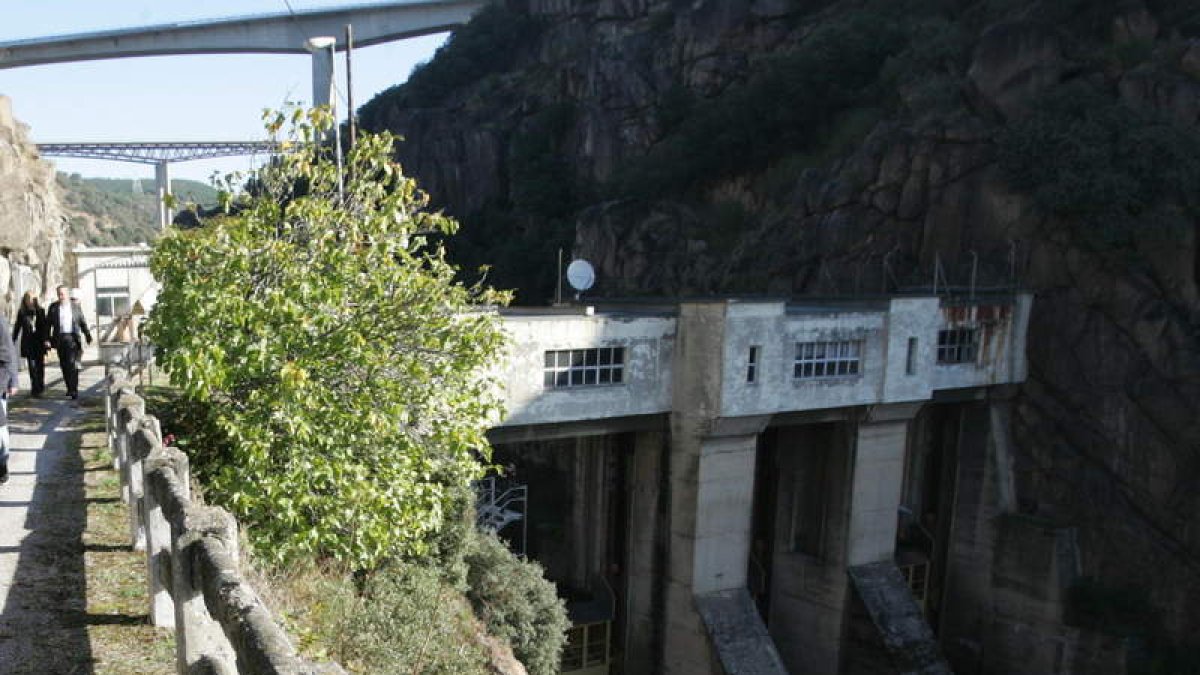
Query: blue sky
{"type": "Point", "coordinates": [210, 97]}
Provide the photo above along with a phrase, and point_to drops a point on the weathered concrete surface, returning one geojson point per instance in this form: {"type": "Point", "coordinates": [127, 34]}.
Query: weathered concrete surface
{"type": "Point", "coordinates": [741, 640]}
{"type": "Point", "coordinates": [906, 635]}
{"type": "Point", "coordinates": [42, 516]}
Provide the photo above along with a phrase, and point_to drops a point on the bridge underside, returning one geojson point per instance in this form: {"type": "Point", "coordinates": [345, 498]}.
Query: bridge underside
{"type": "Point", "coordinates": [276, 33]}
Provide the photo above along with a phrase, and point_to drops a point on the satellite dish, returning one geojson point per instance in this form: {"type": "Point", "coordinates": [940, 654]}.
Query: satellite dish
{"type": "Point", "coordinates": [581, 276]}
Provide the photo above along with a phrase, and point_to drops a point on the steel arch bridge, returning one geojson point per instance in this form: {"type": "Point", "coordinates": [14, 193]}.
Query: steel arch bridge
{"type": "Point", "coordinates": [156, 152]}
{"type": "Point", "coordinates": [159, 154]}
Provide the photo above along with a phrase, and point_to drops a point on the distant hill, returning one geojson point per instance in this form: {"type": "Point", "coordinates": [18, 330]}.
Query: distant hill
{"type": "Point", "coordinates": [117, 211]}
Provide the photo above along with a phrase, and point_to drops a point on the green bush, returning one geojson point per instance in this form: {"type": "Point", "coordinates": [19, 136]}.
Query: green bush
{"type": "Point", "coordinates": [401, 619]}
{"type": "Point", "coordinates": [406, 620]}
{"type": "Point", "coordinates": [517, 603]}
{"type": "Point", "coordinates": [347, 377]}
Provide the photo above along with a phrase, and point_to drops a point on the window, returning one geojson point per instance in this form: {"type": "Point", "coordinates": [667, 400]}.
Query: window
{"type": "Point", "coordinates": [112, 300]}
{"type": "Point", "coordinates": [752, 365]}
{"type": "Point", "coordinates": [827, 359]}
{"type": "Point", "coordinates": [910, 362]}
{"type": "Point", "coordinates": [956, 345]}
{"type": "Point", "coordinates": [584, 367]}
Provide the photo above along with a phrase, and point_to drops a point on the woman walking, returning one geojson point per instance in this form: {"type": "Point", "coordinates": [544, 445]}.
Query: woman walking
{"type": "Point", "coordinates": [30, 328]}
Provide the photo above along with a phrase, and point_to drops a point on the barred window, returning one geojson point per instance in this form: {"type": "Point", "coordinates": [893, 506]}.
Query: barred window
{"type": "Point", "coordinates": [827, 359]}
{"type": "Point", "coordinates": [584, 367]}
{"type": "Point", "coordinates": [957, 345]}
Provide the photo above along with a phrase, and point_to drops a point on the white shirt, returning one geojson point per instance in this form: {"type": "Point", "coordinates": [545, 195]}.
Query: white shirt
{"type": "Point", "coordinates": [66, 318]}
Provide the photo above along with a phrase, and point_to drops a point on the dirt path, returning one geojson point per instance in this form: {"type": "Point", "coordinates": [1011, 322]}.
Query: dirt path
{"type": "Point", "coordinates": [43, 513]}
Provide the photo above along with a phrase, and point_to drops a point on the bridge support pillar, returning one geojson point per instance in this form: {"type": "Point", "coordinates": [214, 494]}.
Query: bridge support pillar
{"type": "Point", "coordinates": [162, 176]}
{"type": "Point", "coordinates": [322, 69]}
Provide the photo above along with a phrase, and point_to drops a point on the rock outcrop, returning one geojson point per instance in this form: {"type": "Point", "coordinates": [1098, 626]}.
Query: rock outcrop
{"type": "Point", "coordinates": [1107, 428]}
{"type": "Point", "coordinates": [32, 245]}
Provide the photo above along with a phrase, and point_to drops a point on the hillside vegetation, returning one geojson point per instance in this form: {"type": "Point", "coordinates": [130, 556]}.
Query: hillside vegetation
{"type": "Point", "coordinates": [120, 211]}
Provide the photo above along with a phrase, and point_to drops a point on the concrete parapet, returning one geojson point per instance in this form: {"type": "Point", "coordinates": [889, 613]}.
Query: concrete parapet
{"type": "Point", "coordinates": [193, 576]}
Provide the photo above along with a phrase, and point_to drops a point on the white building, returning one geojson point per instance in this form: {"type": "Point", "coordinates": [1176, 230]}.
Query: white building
{"type": "Point", "coordinates": [112, 282]}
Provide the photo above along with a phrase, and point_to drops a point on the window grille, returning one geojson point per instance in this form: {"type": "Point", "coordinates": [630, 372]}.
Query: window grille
{"type": "Point", "coordinates": [827, 359]}
{"type": "Point", "coordinates": [587, 648]}
{"type": "Point", "coordinates": [957, 345]}
{"type": "Point", "coordinates": [584, 367]}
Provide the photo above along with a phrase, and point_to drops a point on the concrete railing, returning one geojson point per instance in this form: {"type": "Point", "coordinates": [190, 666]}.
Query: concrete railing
{"type": "Point", "coordinates": [195, 584]}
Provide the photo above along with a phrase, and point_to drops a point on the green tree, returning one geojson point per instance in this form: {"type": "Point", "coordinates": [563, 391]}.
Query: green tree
{"type": "Point", "coordinates": [341, 358]}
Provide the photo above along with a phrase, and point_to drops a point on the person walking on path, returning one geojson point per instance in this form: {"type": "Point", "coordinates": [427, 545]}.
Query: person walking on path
{"type": "Point", "coordinates": [66, 325]}
{"type": "Point", "coordinates": [29, 334]}
{"type": "Point", "coordinates": [8, 383]}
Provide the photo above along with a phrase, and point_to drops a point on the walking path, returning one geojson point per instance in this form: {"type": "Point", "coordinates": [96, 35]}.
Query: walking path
{"type": "Point", "coordinates": [43, 513]}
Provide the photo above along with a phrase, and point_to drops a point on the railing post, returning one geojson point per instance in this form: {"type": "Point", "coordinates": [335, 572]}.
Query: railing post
{"type": "Point", "coordinates": [129, 411]}
{"type": "Point", "coordinates": [158, 532]}
{"type": "Point", "coordinates": [143, 442]}
{"type": "Point", "coordinates": [200, 642]}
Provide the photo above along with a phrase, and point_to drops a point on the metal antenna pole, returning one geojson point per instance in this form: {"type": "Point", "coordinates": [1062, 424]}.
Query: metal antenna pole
{"type": "Point", "coordinates": [350, 86]}
{"type": "Point", "coordinates": [337, 133]}
{"type": "Point", "coordinates": [974, 271]}
{"type": "Point", "coordinates": [937, 265]}
{"type": "Point", "coordinates": [1012, 263]}
{"type": "Point", "coordinates": [558, 291]}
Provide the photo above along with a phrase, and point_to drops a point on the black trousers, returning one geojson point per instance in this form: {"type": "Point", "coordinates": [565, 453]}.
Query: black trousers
{"type": "Point", "coordinates": [70, 352]}
{"type": "Point", "coordinates": [37, 373]}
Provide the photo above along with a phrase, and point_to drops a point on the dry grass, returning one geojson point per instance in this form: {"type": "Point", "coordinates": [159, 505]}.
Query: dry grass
{"type": "Point", "coordinates": [124, 643]}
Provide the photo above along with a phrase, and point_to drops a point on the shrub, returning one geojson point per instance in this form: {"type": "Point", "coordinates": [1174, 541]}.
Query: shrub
{"type": "Point", "coordinates": [408, 620]}
{"type": "Point", "coordinates": [403, 619]}
{"type": "Point", "coordinates": [342, 359]}
{"type": "Point", "coordinates": [517, 603]}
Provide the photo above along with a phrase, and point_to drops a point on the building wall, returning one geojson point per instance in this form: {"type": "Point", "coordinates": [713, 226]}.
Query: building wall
{"type": "Point", "coordinates": [121, 267]}
{"type": "Point", "coordinates": [886, 374]}
{"type": "Point", "coordinates": [649, 348]}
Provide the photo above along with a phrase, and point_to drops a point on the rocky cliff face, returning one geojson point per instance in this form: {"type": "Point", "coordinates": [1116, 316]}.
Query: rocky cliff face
{"type": "Point", "coordinates": [32, 247]}
{"type": "Point", "coordinates": [697, 147]}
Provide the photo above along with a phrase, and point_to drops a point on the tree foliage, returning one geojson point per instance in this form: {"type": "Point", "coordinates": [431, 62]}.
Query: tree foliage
{"type": "Point", "coordinates": [516, 602]}
{"type": "Point", "coordinates": [341, 359]}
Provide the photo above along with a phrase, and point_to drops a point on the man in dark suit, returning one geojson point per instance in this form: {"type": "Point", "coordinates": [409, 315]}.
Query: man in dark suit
{"type": "Point", "coordinates": [66, 323]}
